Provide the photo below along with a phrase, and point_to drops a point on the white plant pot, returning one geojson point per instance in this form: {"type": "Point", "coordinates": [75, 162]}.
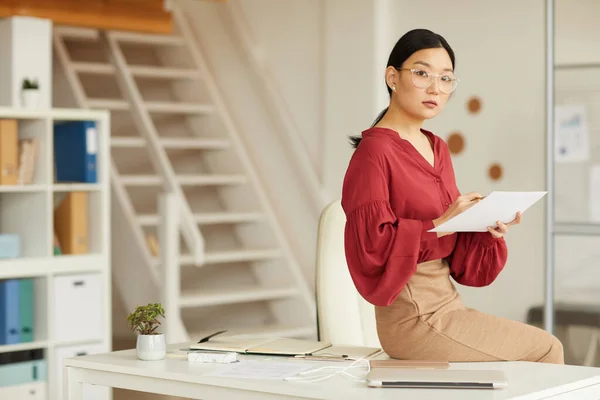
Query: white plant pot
{"type": "Point", "coordinates": [151, 347]}
{"type": "Point", "coordinates": [30, 98]}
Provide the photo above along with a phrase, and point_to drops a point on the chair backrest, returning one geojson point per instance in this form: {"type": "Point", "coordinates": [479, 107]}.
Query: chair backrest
{"type": "Point", "coordinates": [344, 316]}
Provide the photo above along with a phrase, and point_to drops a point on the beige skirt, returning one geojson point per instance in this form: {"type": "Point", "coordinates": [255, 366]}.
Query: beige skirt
{"type": "Point", "coordinates": [428, 321]}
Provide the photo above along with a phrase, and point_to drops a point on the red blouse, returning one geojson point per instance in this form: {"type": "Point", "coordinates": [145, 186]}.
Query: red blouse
{"type": "Point", "coordinates": [390, 196]}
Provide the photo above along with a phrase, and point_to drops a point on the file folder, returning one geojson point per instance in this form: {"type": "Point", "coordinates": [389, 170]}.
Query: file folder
{"type": "Point", "coordinates": [22, 367]}
{"type": "Point", "coordinates": [71, 223]}
{"type": "Point", "coordinates": [75, 151]}
{"type": "Point", "coordinates": [9, 152]}
{"type": "Point", "coordinates": [26, 309]}
{"type": "Point", "coordinates": [10, 326]}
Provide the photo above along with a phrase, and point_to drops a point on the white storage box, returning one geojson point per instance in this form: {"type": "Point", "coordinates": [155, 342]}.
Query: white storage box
{"type": "Point", "coordinates": [78, 308]}
{"type": "Point", "coordinates": [29, 391]}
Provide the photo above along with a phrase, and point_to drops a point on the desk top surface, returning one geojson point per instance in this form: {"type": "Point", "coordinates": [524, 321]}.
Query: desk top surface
{"type": "Point", "coordinates": [525, 380]}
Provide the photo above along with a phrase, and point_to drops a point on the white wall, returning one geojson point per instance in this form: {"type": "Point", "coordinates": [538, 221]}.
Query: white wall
{"type": "Point", "coordinates": [242, 94]}
{"type": "Point", "coordinates": [295, 48]}
{"type": "Point", "coordinates": [323, 53]}
{"type": "Point", "coordinates": [577, 44]}
{"type": "Point", "coordinates": [510, 130]}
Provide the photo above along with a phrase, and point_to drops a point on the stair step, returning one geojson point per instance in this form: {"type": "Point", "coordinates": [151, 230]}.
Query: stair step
{"type": "Point", "coordinates": [207, 218]}
{"type": "Point", "coordinates": [141, 180]}
{"type": "Point", "coordinates": [147, 71]}
{"type": "Point", "coordinates": [195, 143]}
{"type": "Point", "coordinates": [108, 104]}
{"type": "Point", "coordinates": [172, 143]}
{"type": "Point", "coordinates": [179, 108]}
{"type": "Point", "coordinates": [141, 71]}
{"type": "Point", "coordinates": [162, 107]}
{"type": "Point", "coordinates": [93, 68]}
{"type": "Point", "coordinates": [230, 256]}
{"type": "Point", "coordinates": [127, 141]}
{"type": "Point", "coordinates": [186, 180]}
{"type": "Point", "coordinates": [149, 39]}
{"type": "Point", "coordinates": [209, 180]}
{"type": "Point", "coordinates": [240, 256]}
{"type": "Point", "coordinates": [212, 297]}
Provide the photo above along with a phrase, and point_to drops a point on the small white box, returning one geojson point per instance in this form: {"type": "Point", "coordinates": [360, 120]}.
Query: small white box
{"type": "Point", "coordinates": [90, 392]}
{"type": "Point", "coordinates": [78, 308]}
{"type": "Point", "coordinates": [26, 48]}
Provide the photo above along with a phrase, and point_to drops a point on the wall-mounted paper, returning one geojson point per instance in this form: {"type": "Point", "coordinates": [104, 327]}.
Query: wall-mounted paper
{"type": "Point", "coordinates": [595, 193]}
{"type": "Point", "coordinates": [571, 134]}
{"type": "Point", "coordinates": [497, 206]}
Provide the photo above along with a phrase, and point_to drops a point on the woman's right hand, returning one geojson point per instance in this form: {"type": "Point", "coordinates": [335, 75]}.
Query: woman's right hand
{"type": "Point", "coordinates": [462, 203]}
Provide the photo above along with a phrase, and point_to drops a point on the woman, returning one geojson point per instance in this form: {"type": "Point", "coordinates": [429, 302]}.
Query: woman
{"type": "Point", "coordinates": [400, 184]}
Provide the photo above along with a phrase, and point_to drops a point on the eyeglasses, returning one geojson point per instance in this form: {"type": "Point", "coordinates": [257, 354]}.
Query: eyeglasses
{"type": "Point", "coordinates": [423, 79]}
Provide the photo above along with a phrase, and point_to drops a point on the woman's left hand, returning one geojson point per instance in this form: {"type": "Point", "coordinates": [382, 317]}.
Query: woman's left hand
{"type": "Point", "coordinates": [502, 228]}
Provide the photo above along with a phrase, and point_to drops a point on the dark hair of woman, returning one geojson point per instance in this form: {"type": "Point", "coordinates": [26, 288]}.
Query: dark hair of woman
{"type": "Point", "coordinates": [409, 43]}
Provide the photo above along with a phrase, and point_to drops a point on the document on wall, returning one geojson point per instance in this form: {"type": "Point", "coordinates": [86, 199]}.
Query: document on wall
{"type": "Point", "coordinates": [253, 369]}
{"type": "Point", "coordinates": [571, 134]}
{"type": "Point", "coordinates": [497, 206]}
{"type": "Point", "coordinates": [595, 193]}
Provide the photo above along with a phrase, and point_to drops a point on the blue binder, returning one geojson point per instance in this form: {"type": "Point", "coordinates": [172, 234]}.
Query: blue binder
{"type": "Point", "coordinates": [10, 324]}
{"type": "Point", "coordinates": [75, 151]}
{"type": "Point", "coordinates": [26, 309]}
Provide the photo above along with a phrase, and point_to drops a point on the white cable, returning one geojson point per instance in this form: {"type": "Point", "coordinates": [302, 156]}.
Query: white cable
{"type": "Point", "coordinates": [340, 371]}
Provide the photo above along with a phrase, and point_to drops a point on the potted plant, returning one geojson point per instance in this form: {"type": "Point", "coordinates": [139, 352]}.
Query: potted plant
{"type": "Point", "coordinates": [150, 343]}
{"type": "Point", "coordinates": [30, 93]}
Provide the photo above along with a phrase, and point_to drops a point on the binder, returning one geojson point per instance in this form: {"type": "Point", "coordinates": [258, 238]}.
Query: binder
{"type": "Point", "coordinates": [26, 309]}
{"type": "Point", "coordinates": [71, 223]}
{"type": "Point", "coordinates": [9, 152]}
{"type": "Point", "coordinates": [75, 151]}
{"type": "Point", "coordinates": [10, 326]}
{"type": "Point", "coordinates": [22, 367]}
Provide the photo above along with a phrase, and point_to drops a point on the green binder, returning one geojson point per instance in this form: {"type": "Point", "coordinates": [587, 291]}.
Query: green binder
{"type": "Point", "coordinates": [26, 309]}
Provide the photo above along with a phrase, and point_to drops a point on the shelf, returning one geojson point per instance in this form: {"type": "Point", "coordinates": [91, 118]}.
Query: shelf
{"type": "Point", "coordinates": [7, 348]}
{"type": "Point", "coordinates": [204, 297]}
{"type": "Point", "coordinates": [76, 187]}
{"type": "Point", "coordinates": [23, 188]}
{"type": "Point", "coordinates": [58, 114]}
{"type": "Point", "coordinates": [578, 228]}
{"type": "Point", "coordinates": [43, 266]}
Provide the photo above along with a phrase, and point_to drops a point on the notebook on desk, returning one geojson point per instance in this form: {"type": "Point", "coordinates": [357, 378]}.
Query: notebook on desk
{"type": "Point", "coordinates": [286, 347]}
{"type": "Point", "coordinates": [289, 347]}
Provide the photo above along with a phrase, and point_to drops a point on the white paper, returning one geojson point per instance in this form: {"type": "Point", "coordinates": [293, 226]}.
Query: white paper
{"type": "Point", "coordinates": [497, 206]}
{"type": "Point", "coordinates": [595, 193]}
{"type": "Point", "coordinates": [571, 134]}
{"type": "Point", "coordinates": [261, 370]}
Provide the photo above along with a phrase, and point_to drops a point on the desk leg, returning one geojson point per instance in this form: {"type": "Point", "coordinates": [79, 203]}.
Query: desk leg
{"type": "Point", "coordinates": [73, 385]}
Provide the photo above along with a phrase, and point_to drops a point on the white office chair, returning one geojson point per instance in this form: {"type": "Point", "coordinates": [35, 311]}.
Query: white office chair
{"type": "Point", "coordinates": [343, 315]}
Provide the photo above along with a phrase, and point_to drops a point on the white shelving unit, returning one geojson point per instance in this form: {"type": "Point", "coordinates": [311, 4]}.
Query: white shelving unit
{"type": "Point", "coordinates": [82, 283]}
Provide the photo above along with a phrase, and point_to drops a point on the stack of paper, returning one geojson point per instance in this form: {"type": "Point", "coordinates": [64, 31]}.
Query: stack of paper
{"type": "Point", "coordinates": [497, 206]}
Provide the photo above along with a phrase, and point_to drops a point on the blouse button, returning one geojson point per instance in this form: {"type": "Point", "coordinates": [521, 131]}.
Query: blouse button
{"type": "Point", "coordinates": [437, 180]}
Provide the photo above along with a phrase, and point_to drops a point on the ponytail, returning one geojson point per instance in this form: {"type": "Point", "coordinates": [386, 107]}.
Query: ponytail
{"type": "Point", "coordinates": [355, 140]}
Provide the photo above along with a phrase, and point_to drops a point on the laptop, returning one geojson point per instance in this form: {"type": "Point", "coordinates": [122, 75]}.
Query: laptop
{"type": "Point", "coordinates": [436, 378]}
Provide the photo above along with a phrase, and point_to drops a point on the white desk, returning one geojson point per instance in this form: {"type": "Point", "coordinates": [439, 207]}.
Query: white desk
{"type": "Point", "coordinates": [175, 376]}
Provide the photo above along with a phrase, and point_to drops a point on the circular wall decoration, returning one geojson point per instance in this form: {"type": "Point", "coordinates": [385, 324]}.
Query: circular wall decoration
{"type": "Point", "coordinates": [474, 105]}
{"type": "Point", "coordinates": [456, 142]}
{"type": "Point", "coordinates": [495, 172]}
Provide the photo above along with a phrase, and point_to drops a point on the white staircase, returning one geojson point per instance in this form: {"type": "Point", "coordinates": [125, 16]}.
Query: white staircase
{"type": "Point", "coordinates": [172, 135]}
